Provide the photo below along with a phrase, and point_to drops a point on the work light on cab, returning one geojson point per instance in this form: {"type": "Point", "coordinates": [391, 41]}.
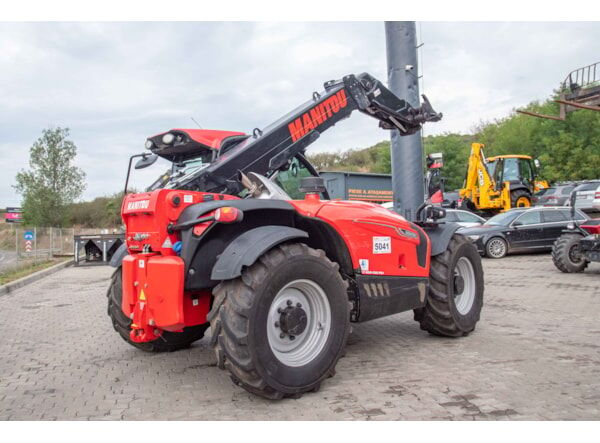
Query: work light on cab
{"type": "Point", "coordinates": [168, 138]}
{"type": "Point", "coordinates": [228, 215]}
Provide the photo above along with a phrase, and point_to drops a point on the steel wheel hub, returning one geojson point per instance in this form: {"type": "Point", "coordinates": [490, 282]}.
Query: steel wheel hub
{"type": "Point", "coordinates": [299, 322]}
{"type": "Point", "coordinates": [464, 285]}
{"type": "Point", "coordinates": [575, 254]}
{"type": "Point", "coordinates": [293, 320]}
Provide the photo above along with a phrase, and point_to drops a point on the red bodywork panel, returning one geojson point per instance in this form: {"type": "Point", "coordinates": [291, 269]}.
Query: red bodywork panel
{"type": "Point", "coordinates": [383, 238]}
{"type": "Point", "coordinates": [153, 283]}
{"type": "Point", "coordinates": [380, 243]}
{"type": "Point", "coordinates": [593, 227]}
{"type": "Point", "coordinates": [211, 138]}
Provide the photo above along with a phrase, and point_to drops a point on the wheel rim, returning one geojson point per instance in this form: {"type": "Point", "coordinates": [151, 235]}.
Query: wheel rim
{"type": "Point", "coordinates": [496, 248]}
{"type": "Point", "coordinates": [464, 278]}
{"type": "Point", "coordinates": [523, 202]}
{"type": "Point", "coordinates": [300, 310]}
{"type": "Point", "coordinates": [575, 254]}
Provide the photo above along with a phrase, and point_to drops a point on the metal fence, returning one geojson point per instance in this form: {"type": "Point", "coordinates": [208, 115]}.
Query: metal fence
{"type": "Point", "coordinates": [20, 244]}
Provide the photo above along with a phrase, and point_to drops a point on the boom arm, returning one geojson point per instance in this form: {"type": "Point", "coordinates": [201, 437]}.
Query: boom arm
{"type": "Point", "coordinates": [271, 148]}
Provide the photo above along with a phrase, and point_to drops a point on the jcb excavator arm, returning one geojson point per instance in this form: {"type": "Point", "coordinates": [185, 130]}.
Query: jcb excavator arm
{"type": "Point", "coordinates": [271, 148]}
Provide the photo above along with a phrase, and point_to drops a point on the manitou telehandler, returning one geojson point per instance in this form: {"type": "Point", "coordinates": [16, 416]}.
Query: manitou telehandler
{"type": "Point", "coordinates": [578, 245]}
{"type": "Point", "coordinates": [499, 183]}
{"type": "Point", "coordinates": [218, 241]}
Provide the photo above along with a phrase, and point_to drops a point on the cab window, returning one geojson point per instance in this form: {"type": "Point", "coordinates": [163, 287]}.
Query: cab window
{"type": "Point", "coordinates": [289, 180]}
{"type": "Point", "coordinates": [526, 171]}
{"type": "Point", "coordinates": [529, 218]}
{"type": "Point", "coordinates": [511, 169]}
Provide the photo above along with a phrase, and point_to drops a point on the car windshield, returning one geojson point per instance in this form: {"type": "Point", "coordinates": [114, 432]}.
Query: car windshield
{"type": "Point", "coordinates": [503, 219]}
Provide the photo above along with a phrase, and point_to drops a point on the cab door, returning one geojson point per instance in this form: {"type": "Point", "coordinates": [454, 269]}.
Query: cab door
{"type": "Point", "coordinates": [526, 174]}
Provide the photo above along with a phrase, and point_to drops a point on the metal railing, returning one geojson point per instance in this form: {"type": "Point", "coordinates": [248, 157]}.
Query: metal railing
{"type": "Point", "coordinates": [582, 77]}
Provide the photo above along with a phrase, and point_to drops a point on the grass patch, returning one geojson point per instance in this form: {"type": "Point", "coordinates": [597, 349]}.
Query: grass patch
{"type": "Point", "coordinates": [25, 269]}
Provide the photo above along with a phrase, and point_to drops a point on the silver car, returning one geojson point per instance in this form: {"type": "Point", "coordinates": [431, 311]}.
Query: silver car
{"type": "Point", "coordinates": [588, 196]}
{"type": "Point", "coordinates": [465, 219]}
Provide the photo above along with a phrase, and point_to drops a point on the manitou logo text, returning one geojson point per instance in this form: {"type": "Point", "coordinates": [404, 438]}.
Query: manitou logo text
{"type": "Point", "coordinates": [140, 204]}
{"type": "Point", "coordinates": [317, 115]}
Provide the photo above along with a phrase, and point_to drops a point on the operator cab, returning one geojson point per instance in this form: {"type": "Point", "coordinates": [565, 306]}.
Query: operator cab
{"type": "Point", "coordinates": [514, 169]}
{"type": "Point", "coordinates": [189, 151]}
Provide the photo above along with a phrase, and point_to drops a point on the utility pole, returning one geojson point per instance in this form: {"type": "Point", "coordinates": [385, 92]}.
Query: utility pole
{"type": "Point", "coordinates": [406, 151]}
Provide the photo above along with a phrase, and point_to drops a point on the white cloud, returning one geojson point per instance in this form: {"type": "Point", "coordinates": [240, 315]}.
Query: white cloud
{"type": "Point", "coordinates": [114, 84]}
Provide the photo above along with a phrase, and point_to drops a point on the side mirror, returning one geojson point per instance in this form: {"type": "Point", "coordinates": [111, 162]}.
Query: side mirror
{"type": "Point", "coordinates": [145, 161]}
{"type": "Point", "coordinates": [537, 163]}
{"type": "Point", "coordinates": [517, 224]}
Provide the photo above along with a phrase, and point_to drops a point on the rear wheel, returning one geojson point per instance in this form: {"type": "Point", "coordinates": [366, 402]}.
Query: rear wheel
{"type": "Point", "coordinates": [520, 199]}
{"type": "Point", "coordinates": [496, 247]}
{"type": "Point", "coordinates": [456, 291]}
{"type": "Point", "coordinates": [280, 328]}
{"type": "Point", "coordinates": [167, 342]}
{"type": "Point", "coordinates": [566, 254]}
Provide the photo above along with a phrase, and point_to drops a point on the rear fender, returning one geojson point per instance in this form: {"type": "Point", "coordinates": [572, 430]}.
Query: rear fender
{"type": "Point", "coordinates": [248, 247]}
{"type": "Point", "coordinates": [117, 258]}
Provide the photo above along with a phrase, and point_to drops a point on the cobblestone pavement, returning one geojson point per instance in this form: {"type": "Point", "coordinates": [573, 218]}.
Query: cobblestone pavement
{"type": "Point", "coordinates": [535, 355]}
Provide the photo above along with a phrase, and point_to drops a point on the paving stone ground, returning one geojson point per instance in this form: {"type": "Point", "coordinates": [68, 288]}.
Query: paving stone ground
{"type": "Point", "coordinates": [534, 355]}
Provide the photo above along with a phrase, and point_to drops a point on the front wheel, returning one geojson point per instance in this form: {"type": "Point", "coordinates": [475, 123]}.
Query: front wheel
{"type": "Point", "coordinates": [456, 291]}
{"type": "Point", "coordinates": [280, 328]}
{"type": "Point", "coordinates": [566, 254]}
{"type": "Point", "coordinates": [496, 247]}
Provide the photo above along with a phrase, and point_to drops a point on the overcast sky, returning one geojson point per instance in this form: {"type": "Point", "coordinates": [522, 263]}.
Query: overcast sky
{"type": "Point", "coordinates": [115, 84]}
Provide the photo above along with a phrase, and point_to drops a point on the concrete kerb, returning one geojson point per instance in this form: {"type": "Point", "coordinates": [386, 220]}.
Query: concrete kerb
{"type": "Point", "coordinates": [14, 285]}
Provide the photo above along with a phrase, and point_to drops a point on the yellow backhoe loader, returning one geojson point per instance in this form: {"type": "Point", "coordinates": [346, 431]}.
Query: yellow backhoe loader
{"type": "Point", "coordinates": [499, 183]}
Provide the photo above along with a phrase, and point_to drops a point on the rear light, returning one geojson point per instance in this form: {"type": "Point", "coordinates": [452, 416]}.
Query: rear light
{"type": "Point", "coordinates": [597, 195]}
{"type": "Point", "coordinates": [228, 215]}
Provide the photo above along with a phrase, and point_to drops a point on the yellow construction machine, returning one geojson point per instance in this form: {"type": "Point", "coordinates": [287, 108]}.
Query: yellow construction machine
{"type": "Point", "coordinates": [499, 183]}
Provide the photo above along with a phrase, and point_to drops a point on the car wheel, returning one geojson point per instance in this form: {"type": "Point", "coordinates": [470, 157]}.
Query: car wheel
{"type": "Point", "coordinates": [496, 247]}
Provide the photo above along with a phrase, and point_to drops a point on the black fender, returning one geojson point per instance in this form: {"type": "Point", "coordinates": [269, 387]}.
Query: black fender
{"type": "Point", "coordinates": [118, 256]}
{"type": "Point", "coordinates": [245, 249]}
{"type": "Point", "coordinates": [440, 236]}
{"type": "Point", "coordinates": [518, 186]}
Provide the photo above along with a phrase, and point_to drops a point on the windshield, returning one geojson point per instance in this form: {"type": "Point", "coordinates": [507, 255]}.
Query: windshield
{"type": "Point", "coordinates": [170, 175]}
{"type": "Point", "coordinates": [503, 219]}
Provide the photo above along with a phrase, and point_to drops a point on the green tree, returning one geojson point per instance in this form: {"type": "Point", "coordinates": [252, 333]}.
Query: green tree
{"type": "Point", "coordinates": [52, 182]}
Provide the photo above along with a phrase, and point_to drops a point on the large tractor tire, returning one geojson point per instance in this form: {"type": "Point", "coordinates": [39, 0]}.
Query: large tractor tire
{"type": "Point", "coordinates": [167, 342]}
{"type": "Point", "coordinates": [455, 294]}
{"type": "Point", "coordinates": [281, 327]}
{"type": "Point", "coordinates": [566, 255]}
{"type": "Point", "coordinates": [520, 199]}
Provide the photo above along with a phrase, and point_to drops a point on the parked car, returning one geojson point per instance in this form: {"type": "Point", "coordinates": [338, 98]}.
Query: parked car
{"type": "Point", "coordinates": [556, 195]}
{"type": "Point", "coordinates": [521, 230]}
{"type": "Point", "coordinates": [588, 196]}
{"type": "Point", "coordinates": [465, 219]}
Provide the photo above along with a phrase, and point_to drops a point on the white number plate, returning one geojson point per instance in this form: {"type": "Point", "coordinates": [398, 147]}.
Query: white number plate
{"type": "Point", "coordinates": [382, 245]}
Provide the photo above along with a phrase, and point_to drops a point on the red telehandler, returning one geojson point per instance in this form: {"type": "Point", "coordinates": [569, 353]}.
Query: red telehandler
{"type": "Point", "coordinates": [239, 235]}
